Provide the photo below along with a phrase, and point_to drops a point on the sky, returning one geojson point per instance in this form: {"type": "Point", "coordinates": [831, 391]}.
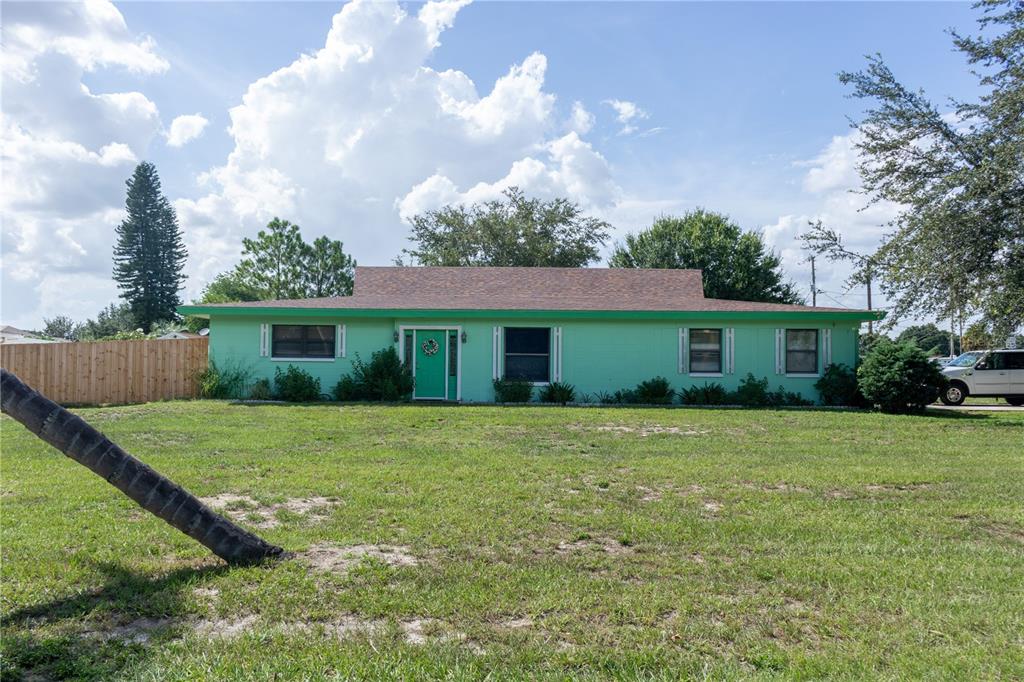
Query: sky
{"type": "Point", "coordinates": [347, 119]}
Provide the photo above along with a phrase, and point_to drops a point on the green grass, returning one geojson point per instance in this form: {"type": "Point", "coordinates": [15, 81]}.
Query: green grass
{"type": "Point", "coordinates": [638, 543]}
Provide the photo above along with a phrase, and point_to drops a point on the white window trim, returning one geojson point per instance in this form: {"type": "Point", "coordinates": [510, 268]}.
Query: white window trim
{"type": "Point", "coordinates": [264, 340]}
{"type": "Point", "coordinates": [780, 351]}
{"type": "Point", "coordinates": [723, 351]}
{"type": "Point", "coordinates": [730, 350]}
{"type": "Point", "coordinates": [556, 360]}
{"type": "Point", "coordinates": [496, 354]}
{"type": "Point", "coordinates": [826, 348]}
{"type": "Point", "coordinates": [340, 341]}
{"type": "Point", "coordinates": [554, 353]}
{"type": "Point", "coordinates": [781, 357]}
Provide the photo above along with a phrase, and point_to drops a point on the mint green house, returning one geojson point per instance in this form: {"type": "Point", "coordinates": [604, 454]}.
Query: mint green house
{"type": "Point", "coordinates": [458, 329]}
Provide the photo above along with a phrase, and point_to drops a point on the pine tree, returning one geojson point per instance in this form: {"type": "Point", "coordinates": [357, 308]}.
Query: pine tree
{"type": "Point", "coordinates": [149, 256]}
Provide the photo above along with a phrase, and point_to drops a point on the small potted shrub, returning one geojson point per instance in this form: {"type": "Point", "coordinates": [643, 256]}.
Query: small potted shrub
{"type": "Point", "coordinates": [558, 392]}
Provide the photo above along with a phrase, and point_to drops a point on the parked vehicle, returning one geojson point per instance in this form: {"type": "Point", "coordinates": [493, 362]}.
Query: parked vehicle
{"type": "Point", "coordinates": [965, 359]}
{"type": "Point", "coordinates": [998, 373]}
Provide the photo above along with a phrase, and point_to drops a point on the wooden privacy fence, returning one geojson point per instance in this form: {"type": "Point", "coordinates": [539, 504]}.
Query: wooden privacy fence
{"type": "Point", "coordinates": [98, 372]}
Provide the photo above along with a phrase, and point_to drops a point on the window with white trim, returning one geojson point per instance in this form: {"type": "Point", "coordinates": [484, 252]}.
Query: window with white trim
{"type": "Point", "coordinates": [310, 341]}
{"type": "Point", "coordinates": [705, 351]}
{"type": "Point", "coordinates": [801, 351]}
{"type": "Point", "coordinates": [528, 354]}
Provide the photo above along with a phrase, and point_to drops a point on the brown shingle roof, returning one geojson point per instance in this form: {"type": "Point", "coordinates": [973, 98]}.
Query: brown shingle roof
{"type": "Point", "coordinates": [611, 289]}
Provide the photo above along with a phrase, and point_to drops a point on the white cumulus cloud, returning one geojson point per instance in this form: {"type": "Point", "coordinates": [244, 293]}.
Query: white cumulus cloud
{"type": "Point", "coordinates": [627, 113]}
{"type": "Point", "coordinates": [349, 140]}
{"type": "Point", "coordinates": [66, 152]}
{"type": "Point", "coordinates": [185, 128]}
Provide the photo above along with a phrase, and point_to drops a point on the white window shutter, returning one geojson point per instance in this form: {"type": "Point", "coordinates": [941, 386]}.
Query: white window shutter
{"type": "Point", "coordinates": [826, 348]}
{"type": "Point", "coordinates": [496, 353]}
{"type": "Point", "coordinates": [780, 351]}
{"type": "Point", "coordinates": [730, 354]}
{"type": "Point", "coordinates": [264, 340]}
{"type": "Point", "coordinates": [557, 362]}
{"type": "Point", "coordinates": [684, 350]}
{"type": "Point", "coordinates": [339, 341]}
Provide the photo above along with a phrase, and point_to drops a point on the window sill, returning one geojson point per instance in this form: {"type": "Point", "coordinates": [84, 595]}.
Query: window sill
{"type": "Point", "coordinates": [801, 375]}
{"type": "Point", "coordinates": [706, 374]}
{"type": "Point", "coordinates": [303, 359]}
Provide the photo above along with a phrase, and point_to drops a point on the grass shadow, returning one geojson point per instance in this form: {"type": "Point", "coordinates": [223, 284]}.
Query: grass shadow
{"type": "Point", "coordinates": [48, 640]}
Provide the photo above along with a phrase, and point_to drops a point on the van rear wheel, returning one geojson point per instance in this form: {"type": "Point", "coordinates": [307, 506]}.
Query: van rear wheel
{"type": "Point", "coordinates": [955, 394]}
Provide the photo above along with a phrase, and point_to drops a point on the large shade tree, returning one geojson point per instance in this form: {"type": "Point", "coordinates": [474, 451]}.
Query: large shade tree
{"type": "Point", "coordinates": [957, 170]}
{"type": "Point", "coordinates": [516, 231]}
{"type": "Point", "coordinates": [737, 265]}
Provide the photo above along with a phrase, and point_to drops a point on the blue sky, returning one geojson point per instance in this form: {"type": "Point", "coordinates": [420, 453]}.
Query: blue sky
{"type": "Point", "coordinates": [739, 110]}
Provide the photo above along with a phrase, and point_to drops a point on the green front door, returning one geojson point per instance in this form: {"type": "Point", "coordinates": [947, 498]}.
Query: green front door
{"type": "Point", "coordinates": [431, 352]}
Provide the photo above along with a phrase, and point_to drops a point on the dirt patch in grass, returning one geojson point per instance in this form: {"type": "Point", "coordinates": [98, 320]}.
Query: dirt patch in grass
{"type": "Point", "coordinates": [245, 509]}
{"type": "Point", "coordinates": [645, 430]}
{"type": "Point", "coordinates": [594, 544]}
{"type": "Point", "coordinates": [782, 487]}
{"type": "Point", "coordinates": [333, 558]}
{"type": "Point", "coordinates": [712, 507]}
{"type": "Point", "coordinates": [1005, 531]}
{"type": "Point", "coordinates": [137, 631]}
{"type": "Point", "coordinates": [896, 487]}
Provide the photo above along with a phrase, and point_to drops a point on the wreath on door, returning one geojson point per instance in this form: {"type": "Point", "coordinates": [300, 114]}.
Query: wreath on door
{"type": "Point", "coordinates": [430, 347]}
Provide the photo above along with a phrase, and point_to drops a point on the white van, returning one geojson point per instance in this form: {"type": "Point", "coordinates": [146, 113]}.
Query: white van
{"type": "Point", "coordinates": [997, 373]}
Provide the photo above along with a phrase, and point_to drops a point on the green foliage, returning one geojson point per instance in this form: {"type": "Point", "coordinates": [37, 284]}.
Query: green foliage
{"type": "Point", "coordinates": [625, 396]}
{"type": "Point", "coordinates": [149, 256]}
{"type": "Point", "coordinates": [959, 239]}
{"type": "Point", "coordinates": [780, 397]}
{"type": "Point", "coordinates": [506, 391]}
{"type": "Point", "coordinates": [514, 231]}
{"type": "Point", "coordinates": [604, 398]}
{"type": "Point", "coordinates": [278, 263]}
{"type": "Point", "coordinates": [110, 321]}
{"type": "Point", "coordinates": [978, 336]}
{"type": "Point", "coordinates": [753, 392]}
{"type": "Point", "coordinates": [930, 339]}
{"type": "Point", "coordinates": [865, 342]}
{"type": "Point", "coordinates": [228, 381]}
{"type": "Point", "coordinates": [558, 392]}
{"type": "Point", "coordinates": [656, 391]}
{"type": "Point", "coordinates": [61, 327]}
{"type": "Point", "coordinates": [231, 287]}
{"type": "Point", "coordinates": [838, 386]}
{"type": "Point", "coordinates": [899, 378]}
{"type": "Point", "coordinates": [736, 265]}
{"type": "Point", "coordinates": [261, 390]}
{"type": "Point", "coordinates": [709, 393]}
{"type": "Point", "coordinates": [296, 385]}
{"type": "Point", "coordinates": [384, 378]}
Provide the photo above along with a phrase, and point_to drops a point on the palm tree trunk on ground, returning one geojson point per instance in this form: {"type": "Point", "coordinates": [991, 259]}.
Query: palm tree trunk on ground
{"type": "Point", "coordinates": [71, 435]}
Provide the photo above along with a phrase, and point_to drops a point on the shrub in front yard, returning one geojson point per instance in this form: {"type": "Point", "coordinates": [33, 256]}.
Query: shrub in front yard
{"type": "Point", "coordinates": [558, 392]}
{"type": "Point", "coordinates": [512, 391]}
{"type": "Point", "coordinates": [899, 378]}
{"type": "Point", "coordinates": [625, 396]}
{"type": "Point", "coordinates": [261, 390]}
{"type": "Point", "coordinates": [656, 391]}
{"type": "Point", "coordinates": [296, 385]}
{"type": "Point", "coordinates": [228, 381]}
{"type": "Point", "coordinates": [753, 392]}
{"type": "Point", "coordinates": [383, 379]}
{"type": "Point", "coordinates": [838, 386]}
{"type": "Point", "coordinates": [780, 397]}
{"type": "Point", "coordinates": [712, 393]}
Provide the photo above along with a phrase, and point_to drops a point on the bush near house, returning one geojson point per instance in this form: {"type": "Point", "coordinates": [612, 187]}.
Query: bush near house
{"type": "Point", "coordinates": [709, 393]}
{"type": "Point", "coordinates": [296, 385]}
{"type": "Point", "coordinates": [656, 391]}
{"type": "Point", "coordinates": [383, 379]}
{"type": "Point", "coordinates": [220, 382]}
{"type": "Point", "coordinates": [506, 391]}
{"type": "Point", "coordinates": [838, 386]}
{"type": "Point", "coordinates": [261, 390]}
{"type": "Point", "coordinates": [899, 378]}
{"type": "Point", "coordinates": [558, 392]}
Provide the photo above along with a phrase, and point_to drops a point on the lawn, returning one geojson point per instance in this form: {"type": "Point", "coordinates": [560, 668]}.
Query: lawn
{"type": "Point", "coordinates": [463, 542]}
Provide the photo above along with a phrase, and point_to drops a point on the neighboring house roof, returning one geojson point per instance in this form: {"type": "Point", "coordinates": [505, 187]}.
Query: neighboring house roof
{"type": "Point", "coordinates": [9, 334]}
{"type": "Point", "coordinates": [521, 289]}
{"type": "Point", "coordinates": [179, 334]}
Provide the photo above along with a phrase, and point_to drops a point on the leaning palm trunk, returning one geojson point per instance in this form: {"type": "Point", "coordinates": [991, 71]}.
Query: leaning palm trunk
{"type": "Point", "coordinates": [71, 435]}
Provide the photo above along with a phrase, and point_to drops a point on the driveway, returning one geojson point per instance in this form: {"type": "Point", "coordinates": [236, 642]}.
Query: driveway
{"type": "Point", "coordinates": [977, 408]}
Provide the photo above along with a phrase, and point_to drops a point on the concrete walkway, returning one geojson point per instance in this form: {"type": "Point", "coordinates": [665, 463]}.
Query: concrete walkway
{"type": "Point", "coordinates": [978, 408]}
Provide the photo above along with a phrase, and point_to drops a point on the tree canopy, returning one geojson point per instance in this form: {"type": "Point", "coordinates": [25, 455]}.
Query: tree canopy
{"type": "Point", "coordinates": [737, 265]}
{"type": "Point", "coordinates": [514, 231]}
{"type": "Point", "coordinates": [928, 338]}
{"type": "Point", "coordinates": [149, 256]}
{"type": "Point", "coordinates": [278, 263]}
{"type": "Point", "coordinates": [958, 171]}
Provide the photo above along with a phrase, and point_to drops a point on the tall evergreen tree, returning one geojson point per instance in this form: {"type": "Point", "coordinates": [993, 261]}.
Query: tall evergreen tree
{"type": "Point", "coordinates": [149, 256]}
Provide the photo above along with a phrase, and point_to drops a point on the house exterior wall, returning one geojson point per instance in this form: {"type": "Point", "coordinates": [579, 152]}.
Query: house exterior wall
{"type": "Point", "coordinates": [596, 354]}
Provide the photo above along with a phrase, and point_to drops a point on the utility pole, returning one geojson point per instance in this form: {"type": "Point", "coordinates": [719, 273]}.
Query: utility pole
{"type": "Point", "coordinates": [871, 323]}
{"type": "Point", "coordinates": [814, 286]}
